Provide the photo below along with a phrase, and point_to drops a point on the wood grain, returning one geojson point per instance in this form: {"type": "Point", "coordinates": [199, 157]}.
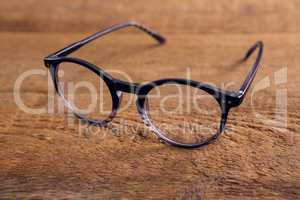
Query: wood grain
{"type": "Point", "coordinates": [206, 16]}
{"type": "Point", "coordinates": [52, 156]}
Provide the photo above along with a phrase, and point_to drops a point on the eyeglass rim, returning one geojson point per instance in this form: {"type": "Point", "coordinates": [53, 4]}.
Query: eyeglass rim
{"type": "Point", "coordinates": [115, 95]}
{"type": "Point", "coordinates": [218, 94]}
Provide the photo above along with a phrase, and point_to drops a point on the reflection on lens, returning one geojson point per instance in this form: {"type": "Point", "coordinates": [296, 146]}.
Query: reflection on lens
{"type": "Point", "coordinates": [183, 113]}
{"type": "Point", "coordinates": [84, 91]}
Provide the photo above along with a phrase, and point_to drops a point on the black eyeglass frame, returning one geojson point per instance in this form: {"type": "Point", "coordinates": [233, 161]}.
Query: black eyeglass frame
{"type": "Point", "coordinates": [226, 99]}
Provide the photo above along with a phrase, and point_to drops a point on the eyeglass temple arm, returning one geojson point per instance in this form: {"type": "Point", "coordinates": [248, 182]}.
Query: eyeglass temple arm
{"type": "Point", "coordinates": [75, 46]}
{"type": "Point", "coordinates": [246, 84]}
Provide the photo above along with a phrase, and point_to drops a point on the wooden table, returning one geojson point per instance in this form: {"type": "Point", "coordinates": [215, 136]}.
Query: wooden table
{"type": "Point", "coordinates": [50, 156]}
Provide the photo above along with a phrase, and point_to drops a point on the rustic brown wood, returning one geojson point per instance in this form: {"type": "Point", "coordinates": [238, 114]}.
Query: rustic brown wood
{"type": "Point", "coordinates": [206, 16]}
{"type": "Point", "coordinates": [44, 157]}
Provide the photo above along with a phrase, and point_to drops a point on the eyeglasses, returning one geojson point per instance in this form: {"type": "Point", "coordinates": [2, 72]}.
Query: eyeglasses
{"type": "Point", "coordinates": [180, 112]}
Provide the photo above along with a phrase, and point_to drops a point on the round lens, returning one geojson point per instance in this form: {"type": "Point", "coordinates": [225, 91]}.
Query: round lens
{"type": "Point", "coordinates": [182, 113]}
{"type": "Point", "coordinates": [84, 91]}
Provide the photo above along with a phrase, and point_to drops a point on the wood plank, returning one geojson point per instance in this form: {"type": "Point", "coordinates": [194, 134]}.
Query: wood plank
{"type": "Point", "coordinates": [205, 16]}
{"type": "Point", "coordinates": [43, 156]}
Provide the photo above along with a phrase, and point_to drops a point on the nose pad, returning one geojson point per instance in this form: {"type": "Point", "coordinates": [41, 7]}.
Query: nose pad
{"type": "Point", "coordinates": [120, 96]}
{"type": "Point", "coordinates": [147, 104]}
{"type": "Point", "coordinates": [147, 108]}
{"type": "Point", "coordinates": [116, 106]}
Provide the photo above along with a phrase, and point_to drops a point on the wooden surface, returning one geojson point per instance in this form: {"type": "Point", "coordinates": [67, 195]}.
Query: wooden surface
{"type": "Point", "coordinates": [43, 157]}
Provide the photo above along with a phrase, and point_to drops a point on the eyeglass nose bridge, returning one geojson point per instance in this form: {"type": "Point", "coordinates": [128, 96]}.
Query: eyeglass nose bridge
{"type": "Point", "coordinates": [127, 87]}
